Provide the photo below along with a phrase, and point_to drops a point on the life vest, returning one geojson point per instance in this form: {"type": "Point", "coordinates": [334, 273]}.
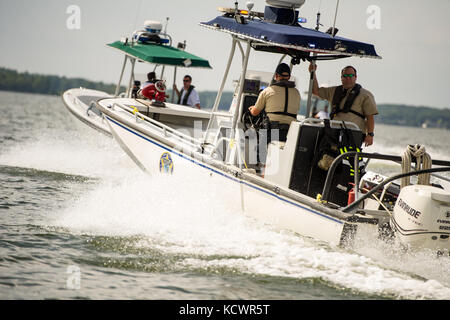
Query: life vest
{"type": "Point", "coordinates": [286, 85]}
{"type": "Point", "coordinates": [331, 146]}
{"type": "Point", "coordinates": [186, 96]}
{"type": "Point", "coordinates": [339, 94]}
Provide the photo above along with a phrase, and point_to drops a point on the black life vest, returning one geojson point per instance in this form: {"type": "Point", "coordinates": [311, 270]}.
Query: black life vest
{"type": "Point", "coordinates": [339, 94]}
{"type": "Point", "coordinates": [186, 96]}
{"type": "Point", "coordinates": [286, 85]}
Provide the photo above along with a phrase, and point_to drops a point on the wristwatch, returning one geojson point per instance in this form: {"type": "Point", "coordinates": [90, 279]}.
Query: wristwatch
{"type": "Point", "coordinates": [370, 134]}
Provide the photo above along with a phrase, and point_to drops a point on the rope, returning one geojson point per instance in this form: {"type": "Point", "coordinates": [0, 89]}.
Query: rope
{"type": "Point", "coordinates": [379, 200]}
{"type": "Point", "coordinates": [423, 161]}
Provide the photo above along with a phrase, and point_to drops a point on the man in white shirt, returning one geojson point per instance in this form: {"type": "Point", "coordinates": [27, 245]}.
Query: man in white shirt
{"type": "Point", "coordinates": [323, 114]}
{"type": "Point", "coordinates": [188, 96]}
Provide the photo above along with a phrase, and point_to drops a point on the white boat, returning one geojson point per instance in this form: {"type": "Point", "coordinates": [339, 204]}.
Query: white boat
{"type": "Point", "coordinates": [81, 103]}
{"type": "Point", "coordinates": [292, 192]}
{"type": "Point", "coordinates": [148, 45]}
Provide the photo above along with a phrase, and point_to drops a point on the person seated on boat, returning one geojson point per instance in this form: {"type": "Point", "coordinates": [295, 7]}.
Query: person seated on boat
{"type": "Point", "coordinates": [323, 114]}
{"type": "Point", "coordinates": [151, 79]}
{"type": "Point", "coordinates": [188, 96]}
{"type": "Point", "coordinates": [281, 101]}
{"type": "Point", "coordinates": [349, 102]}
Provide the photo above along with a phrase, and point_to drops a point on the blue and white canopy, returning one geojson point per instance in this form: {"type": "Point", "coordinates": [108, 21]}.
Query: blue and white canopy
{"type": "Point", "coordinates": [294, 40]}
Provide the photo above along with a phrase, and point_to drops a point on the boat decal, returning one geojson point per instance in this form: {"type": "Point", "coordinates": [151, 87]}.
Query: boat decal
{"type": "Point", "coordinates": [223, 174]}
{"type": "Point", "coordinates": [166, 163]}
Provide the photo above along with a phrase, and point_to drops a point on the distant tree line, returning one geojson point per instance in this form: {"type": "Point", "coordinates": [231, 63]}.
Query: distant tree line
{"type": "Point", "coordinates": [11, 80]}
{"type": "Point", "coordinates": [397, 114]}
{"type": "Point", "coordinates": [393, 114]}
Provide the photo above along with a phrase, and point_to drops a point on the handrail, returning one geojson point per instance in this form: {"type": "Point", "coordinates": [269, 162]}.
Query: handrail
{"type": "Point", "coordinates": [335, 122]}
{"type": "Point", "coordinates": [194, 142]}
{"type": "Point", "coordinates": [218, 113]}
{"type": "Point", "coordinates": [398, 176]}
{"type": "Point", "coordinates": [338, 160]}
{"type": "Point", "coordinates": [229, 140]}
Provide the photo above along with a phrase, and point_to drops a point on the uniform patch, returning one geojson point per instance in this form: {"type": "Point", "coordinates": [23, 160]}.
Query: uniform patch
{"type": "Point", "coordinates": [166, 163]}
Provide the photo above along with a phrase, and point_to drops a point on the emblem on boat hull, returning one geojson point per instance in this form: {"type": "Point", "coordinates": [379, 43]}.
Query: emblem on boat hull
{"type": "Point", "coordinates": [166, 163]}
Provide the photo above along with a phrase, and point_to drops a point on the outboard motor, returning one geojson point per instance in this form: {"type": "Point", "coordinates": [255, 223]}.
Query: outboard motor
{"type": "Point", "coordinates": [422, 217]}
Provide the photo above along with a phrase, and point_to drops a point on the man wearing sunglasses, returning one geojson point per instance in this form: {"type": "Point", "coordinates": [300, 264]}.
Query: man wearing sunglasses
{"type": "Point", "coordinates": [349, 102]}
{"type": "Point", "coordinates": [188, 96]}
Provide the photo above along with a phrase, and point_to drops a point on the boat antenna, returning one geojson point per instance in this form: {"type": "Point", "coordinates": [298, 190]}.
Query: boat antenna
{"type": "Point", "coordinates": [318, 24]}
{"type": "Point", "coordinates": [137, 14]}
{"type": "Point", "coordinates": [167, 22]}
{"type": "Point", "coordinates": [311, 76]}
{"type": "Point", "coordinates": [335, 16]}
{"type": "Point", "coordinates": [165, 32]}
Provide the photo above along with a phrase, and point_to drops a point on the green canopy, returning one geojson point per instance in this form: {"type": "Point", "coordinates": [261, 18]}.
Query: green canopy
{"type": "Point", "coordinates": [161, 54]}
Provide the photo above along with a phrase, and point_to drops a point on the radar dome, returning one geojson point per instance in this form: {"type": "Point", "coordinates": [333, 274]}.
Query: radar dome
{"type": "Point", "coordinates": [286, 3]}
{"type": "Point", "coordinates": [153, 26]}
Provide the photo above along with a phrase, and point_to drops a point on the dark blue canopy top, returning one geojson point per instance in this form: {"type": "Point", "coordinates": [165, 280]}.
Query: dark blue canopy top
{"type": "Point", "coordinates": [292, 37]}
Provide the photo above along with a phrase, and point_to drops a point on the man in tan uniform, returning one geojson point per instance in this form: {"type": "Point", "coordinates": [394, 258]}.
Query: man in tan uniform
{"type": "Point", "coordinates": [281, 101]}
{"type": "Point", "coordinates": [350, 102]}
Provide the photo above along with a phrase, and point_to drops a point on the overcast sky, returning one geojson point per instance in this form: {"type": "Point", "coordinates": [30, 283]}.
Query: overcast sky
{"type": "Point", "coordinates": [410, 35]}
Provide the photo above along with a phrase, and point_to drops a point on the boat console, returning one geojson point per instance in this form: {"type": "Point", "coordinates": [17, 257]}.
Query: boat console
{"type": "Point", "coordinates": [297, 164]}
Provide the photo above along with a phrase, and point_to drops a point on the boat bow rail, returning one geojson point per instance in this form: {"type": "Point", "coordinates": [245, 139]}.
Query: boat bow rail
{"type": "Point", "coordinates": [166, 130]}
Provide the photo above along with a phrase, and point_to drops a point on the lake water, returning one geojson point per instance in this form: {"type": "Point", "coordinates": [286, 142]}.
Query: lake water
{"type": "Point", "coordinates": [78, 219]}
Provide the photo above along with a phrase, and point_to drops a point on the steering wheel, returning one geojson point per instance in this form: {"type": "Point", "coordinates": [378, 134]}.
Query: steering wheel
{"type": "Point", "coordinates": [255, 122]}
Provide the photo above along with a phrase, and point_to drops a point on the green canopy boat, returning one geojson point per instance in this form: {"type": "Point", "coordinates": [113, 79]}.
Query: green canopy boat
{"type": "Point", "coordinates": [160, 54]}
{"type": "Point", "coordinates": [155, 47]}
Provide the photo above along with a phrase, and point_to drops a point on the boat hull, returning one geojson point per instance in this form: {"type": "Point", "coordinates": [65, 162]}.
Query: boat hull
{"type": "Point", "coordinates": [79, 103]}
{"type": "Point", "coordinates": [156, 157]}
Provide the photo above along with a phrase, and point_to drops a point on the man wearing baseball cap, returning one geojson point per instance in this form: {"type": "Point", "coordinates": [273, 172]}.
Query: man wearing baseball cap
{"type": "Point", "coordinates": [281, 101]}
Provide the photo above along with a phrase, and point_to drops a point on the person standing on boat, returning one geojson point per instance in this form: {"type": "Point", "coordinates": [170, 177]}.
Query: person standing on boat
{"type": "Point", "coordinates": [188, 96]}
{"type": "Point", "coordinates": [281, 102]}
{"type": "Point", "coordinates": [151, 79]}
{"type": "Point", "coordinates": [349, 102]}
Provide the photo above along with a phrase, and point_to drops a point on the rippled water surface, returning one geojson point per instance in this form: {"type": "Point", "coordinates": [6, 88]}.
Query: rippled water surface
{"type": "Point", "coordinates": [74, 207]}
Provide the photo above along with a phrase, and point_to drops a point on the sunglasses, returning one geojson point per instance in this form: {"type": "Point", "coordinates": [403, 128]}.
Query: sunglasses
{"type": "Point", "coordinates": [187, 80]}
{"type": "Point", "coordinates": [350, 75]}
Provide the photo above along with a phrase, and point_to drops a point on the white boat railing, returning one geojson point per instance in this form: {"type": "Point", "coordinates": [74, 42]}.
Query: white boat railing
{"type": "Point", "coordinates": [232, 144]}
{"type": "Point", "coordinates": [197, 144]}
{"type": "Point", "coordinates": [165, 129]}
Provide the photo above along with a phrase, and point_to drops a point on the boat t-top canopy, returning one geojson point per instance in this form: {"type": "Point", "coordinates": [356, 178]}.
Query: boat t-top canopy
{"type": "Point", "coordinates": [293, 40]}
{"type": "Point", "coordinates": [277, 31]}
{"type": "Point", "coordinates": [160, 54]}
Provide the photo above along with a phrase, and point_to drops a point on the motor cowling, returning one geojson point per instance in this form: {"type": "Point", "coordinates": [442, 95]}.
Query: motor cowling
{"type": "Point", "coordinates": [421, 217]}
